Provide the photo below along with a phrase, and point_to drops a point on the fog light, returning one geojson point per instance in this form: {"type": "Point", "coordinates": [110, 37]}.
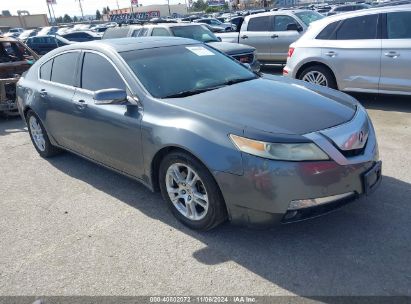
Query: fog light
{"type": "Point", "coordinates": [306, 203]}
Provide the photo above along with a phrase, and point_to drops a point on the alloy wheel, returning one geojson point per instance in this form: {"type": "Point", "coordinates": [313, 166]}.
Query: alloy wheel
{"type": "Point", "coordinates": [316, 78]}
{"type": "Point", "coordinates": [36, 133]}
{"type": "Point", "coordinates": [187, 191]}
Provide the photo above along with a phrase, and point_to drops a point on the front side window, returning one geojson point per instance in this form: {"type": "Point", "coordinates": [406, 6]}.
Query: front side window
{"type": "Point", "coordinates": [159, 31]}
{"type": "Point", "coordinates": [64, 68]}
{"type": "Point", "coordinates": [308, 16]}
{"type": "Point", "coordinates": [399, 25]}
{"type": "Point", "coordinates": [363, 27]}
{"type": "Point", "coordinates": [259, 24]}
{"type": "Point", "coordinates": [281, 23]}
{"type": "Point", "coordinates": [45, 70]}
{"type": "Point", "coordinates": [98, 74]}
{"type": "Point", "coordinates": [175, 70]}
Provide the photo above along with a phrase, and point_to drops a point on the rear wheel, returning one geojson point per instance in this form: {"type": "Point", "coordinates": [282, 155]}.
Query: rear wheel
{"type": "Point", "coordinates": [191, 192]}
{"type": "Point", "coordinates": [319, 75]}
{"type": "Point", "coordinates": [39, 136]}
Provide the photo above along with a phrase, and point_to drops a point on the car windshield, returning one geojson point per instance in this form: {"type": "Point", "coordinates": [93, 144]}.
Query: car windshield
{"type": "Point", "coordinates": [184, 70]}
{"type": "Point", "coordinates": [308, 17]}
{"type": "Point", "coordinates": [196, 32]}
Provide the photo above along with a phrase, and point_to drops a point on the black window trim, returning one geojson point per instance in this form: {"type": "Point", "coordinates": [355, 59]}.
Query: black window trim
{"type": "Point", "coordinates": [80, 72]}
{"type": "Point", "coordinates": [271, 21]}
{"type": "Point", "coordinates": [58, 83]}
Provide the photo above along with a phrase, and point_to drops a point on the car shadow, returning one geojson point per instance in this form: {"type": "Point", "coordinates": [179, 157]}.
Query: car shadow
{"type": "Point", "coordinates": [393, 103]}
{"type": "Point", "coordinates": [362, 249]}
{"type": "Point", "coordinates": [11, 124]}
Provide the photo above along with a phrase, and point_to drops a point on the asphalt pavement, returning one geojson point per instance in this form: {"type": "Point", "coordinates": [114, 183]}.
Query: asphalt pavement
{"type": "Point", "coordinates": [70, 227]}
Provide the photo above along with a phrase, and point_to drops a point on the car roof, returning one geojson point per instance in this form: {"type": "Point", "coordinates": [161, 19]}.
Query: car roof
{"type": "Point", "coordinates": [129, 44]}
{"type": "Point", "coordinates": [283, 12]}
{"type": "Point", "coordinates": [7, 39]}
{"type": "Point", "coordinates": [173, 24]}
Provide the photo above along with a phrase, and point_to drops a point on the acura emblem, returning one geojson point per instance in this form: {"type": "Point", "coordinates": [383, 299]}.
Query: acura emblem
{"type": "Point", "coordinates": [361, 136]}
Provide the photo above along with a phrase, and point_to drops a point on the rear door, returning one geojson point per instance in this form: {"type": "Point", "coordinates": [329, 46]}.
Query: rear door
{"type": "Point", "coordinates": [396, 53]}
{"type": "Point", "coordinates": [353, 52]}
{"type": "Point", "coordinates": [282, 38]}
{"type": "Point", "coordinates": [259, 34]}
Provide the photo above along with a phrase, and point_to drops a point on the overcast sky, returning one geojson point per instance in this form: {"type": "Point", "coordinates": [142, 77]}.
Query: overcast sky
{"type": "Point", "coordinates": [71, 7]}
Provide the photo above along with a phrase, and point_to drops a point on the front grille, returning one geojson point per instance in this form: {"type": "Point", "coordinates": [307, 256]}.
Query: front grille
{"type": "Point", "coordinates": [244, 58]}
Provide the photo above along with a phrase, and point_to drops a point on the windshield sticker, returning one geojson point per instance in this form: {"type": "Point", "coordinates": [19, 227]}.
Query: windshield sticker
{"type": "Point", "coordinates": [200, 51]}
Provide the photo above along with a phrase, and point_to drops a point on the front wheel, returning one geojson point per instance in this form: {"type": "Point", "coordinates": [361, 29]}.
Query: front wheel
{"type": "Point", "coordinates": [191, 192]}
{"type": "Point", "coordinates": [319, 75]}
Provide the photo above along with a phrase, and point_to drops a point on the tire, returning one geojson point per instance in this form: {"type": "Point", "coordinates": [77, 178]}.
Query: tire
{"type": "Point", "coordinates": [329, 79]}
{"type": "Point", "coordinates": [39, 137]}
{"type": "Point", "coordinates": [208, 217]}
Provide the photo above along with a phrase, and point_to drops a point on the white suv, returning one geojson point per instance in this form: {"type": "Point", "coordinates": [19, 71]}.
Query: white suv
{"type": "Point", "coordinates": [363, 51]}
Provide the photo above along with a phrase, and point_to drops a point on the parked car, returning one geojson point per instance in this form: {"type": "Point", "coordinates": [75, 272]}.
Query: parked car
{"type": "Point", "coordinates": [14, 32]}
{"type": "Point", "coordinates": [81, 36]}
{"type": "Point", "coordinates": [364, 51]}
{"type": "Point", "coordinates": [15, 59]}
{"type": "Point", "coordinates": [26, 34]}
{"type": "Point", "coordinates": [237, 21]}
{"type": "Point", "coordinates": [347, 8]}
{"type": "Point", "coordinates": [286, 152]}
{"type": "Point", "coordinates": [217, 23]}
{"type": "Point", "coordinates": [44, 44]}
{"type": "Point", "coordinates": [48, 30]}
{"type": "Point", "coordinates": [243, 53]}
{"type": "Point", "coordinates": [272, 33]}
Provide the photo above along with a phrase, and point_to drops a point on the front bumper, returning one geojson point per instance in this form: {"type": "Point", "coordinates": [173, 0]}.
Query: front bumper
{"type": "Point", "coordinates": [268, 190]}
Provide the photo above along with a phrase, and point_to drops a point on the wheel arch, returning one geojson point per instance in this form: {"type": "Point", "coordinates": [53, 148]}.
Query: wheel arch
{"type": "Point", "coordinates": [314, 63]}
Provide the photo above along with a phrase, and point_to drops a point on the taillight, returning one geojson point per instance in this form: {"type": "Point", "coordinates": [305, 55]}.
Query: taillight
{"type": "Point", "coordinates": [290, 52]}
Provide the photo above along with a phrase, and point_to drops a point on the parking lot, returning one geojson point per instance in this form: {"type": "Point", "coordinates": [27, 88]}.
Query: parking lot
{"type": "Point", "coordinates": [69, 227]}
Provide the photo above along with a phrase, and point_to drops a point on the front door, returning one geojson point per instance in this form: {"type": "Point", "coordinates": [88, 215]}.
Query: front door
{"type": "Point", "coordinates": [108, 133]}
{"type": "Point", "coordinates": [282, 38]}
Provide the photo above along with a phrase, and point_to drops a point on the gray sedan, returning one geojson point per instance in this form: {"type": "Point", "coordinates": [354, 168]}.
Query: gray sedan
{"type": "Point", "coordinates": [217, 140]}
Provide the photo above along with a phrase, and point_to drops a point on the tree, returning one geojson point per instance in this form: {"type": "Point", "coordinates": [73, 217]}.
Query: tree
{"type": "Point", "coordinates": [98, 15]}
{"type": "Point", "coordinates": [104, 11]}
{"type": "Point", "coordinates": [67, 19]}
{"type": "Point", "coordinates": [75, 19]}
{"type": "Point", "coordinates": [108, 9]}
{"type": "Point", "coordinates": [199, 5]}
{"type": "Point", "coordinates": [6, 13]}
{"type": "Point", "coordinates": [59, 19]}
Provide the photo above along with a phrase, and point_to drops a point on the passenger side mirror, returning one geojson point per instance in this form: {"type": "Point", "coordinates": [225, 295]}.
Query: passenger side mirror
{"type": "Point", "coordinates": [294, 27]}
{"type": "Point", "coordinates": [109, 96]}
{"type": "Point", "coordinates": [219, 39]}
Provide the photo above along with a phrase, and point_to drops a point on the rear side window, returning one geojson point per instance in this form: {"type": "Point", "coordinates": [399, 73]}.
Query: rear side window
{"type": "Point", "coordinates": [143, 32]}
{"type": "Point", "coordinates": [98, 74]}
{"type": "Point", "coordinates": [328, 32]}
{"type": "Point", "coordinates": [281, 22]}
{"type": "Point", "coordinates": [45, 70]}
{"type": "Point", "coordinates": [135, 33]}
{"type": "Point", "coordinates": [64, 68]}
{"type": "Point", "coordinates": [399, 25]}
{"type": "Point", "coordinates": [160, 32]}
{"type": "Point", "coordinates": [363, 27]}
{"type": "Point", "coordinates": [259, 24]}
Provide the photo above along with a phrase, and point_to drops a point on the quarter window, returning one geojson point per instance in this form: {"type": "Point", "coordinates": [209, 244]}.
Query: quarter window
{"type": "Point", "coordinates": [363, 27]}
{"type": "Point", "coordinates": [328, 32]}
{"type": "Point", "coordinates": [98, 74]}
{"type": "Point", "coordinates": [45, 70]}
{"type": "Point", "coordinates": [399, 25]}
{"type": "Point", "coordinates": [64, 68]}
{"type": "Point", "coordinates": [259, 24]}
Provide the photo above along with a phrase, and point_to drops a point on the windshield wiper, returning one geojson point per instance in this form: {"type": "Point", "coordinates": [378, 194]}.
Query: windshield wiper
{"type": "Point", "coordinates": [192, 92]}
{"type": "Point", "coordinates": [238, 80]}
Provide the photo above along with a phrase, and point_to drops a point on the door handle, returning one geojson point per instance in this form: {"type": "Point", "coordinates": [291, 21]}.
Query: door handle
{"type": "Point", "coordinates": [274, 36]}
{"type": "Point", "coordinates": [43, 93]}
{"type": "Point", "coordinates": [81, 104]}
{"type": "Point", "coordinates": [331, 54]}
{"type": "Point", "coordinates": [244, 37]}
{"type": "Point", "coordinates": [392, 54]}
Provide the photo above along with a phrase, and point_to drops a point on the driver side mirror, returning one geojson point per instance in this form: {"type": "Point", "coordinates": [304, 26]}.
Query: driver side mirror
{"type": "Point", "coordinates": [294, 27]}
{"type": "Point", "coordinates": [109, 96]}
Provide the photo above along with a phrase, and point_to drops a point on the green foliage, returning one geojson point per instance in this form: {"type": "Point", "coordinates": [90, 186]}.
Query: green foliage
{"type": "Point", "coordinates": [75, 19]}
{"type": "Point", "coordinates": [67, 19]}
{"type": "Point", "coordinates": [98, 15]}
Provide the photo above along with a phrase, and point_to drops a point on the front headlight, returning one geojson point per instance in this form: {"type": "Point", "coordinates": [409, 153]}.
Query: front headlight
{"type": "Point", "coordinates": [279, 151]}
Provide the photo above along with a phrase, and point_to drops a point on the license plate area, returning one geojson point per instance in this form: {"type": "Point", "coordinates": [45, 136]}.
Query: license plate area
{"type": "Point", "coordinates": [372, 178]}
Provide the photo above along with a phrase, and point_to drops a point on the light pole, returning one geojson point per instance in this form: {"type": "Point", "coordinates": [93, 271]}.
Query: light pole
{"type": "Point", "coordinates": [81, 9]}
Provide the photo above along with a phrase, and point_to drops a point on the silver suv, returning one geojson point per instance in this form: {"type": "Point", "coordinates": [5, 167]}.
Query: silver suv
{"type": "Point", "coordinates": [365, 51]}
